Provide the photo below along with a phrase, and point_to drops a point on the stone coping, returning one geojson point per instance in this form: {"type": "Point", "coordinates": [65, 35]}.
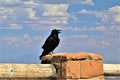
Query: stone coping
{"type": "Point", "coordinates": [72, 56]}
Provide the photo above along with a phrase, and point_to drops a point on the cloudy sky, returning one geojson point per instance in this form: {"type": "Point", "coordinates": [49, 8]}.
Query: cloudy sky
{"type": "Point", "coordinates": [87, 25]}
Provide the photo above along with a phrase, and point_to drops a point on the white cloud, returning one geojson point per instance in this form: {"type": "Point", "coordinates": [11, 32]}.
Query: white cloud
{"type": "Point", "coordinates": [17, 14]}
{"type": "Point", "coordinates": [56, 13]}
{"type": "Point", "coordinates": [6, 41]}
{"type": "Point", "coordinates": [88, 41]}
{"type": "Point", "coordinates": [37, 37]}
{"type": "Point", "coordinates": [4, 11]}
{"type": "Point", "coordinates": [84, 11]}
{"type": "Point", "coordinates": [43, 11]}
{"type": "Point", "coordinates": [79, 36]}
{"type": "Point", "coordinates": [105, 43]}
{"type": "Point", "coordinates": [111, 16]}
{"type": "Point", "coordinates": [12, 26]}
{"type": "Point", "coordinates": [4, 17]}
{"type": "Point", "coordinates": [89, 2]}
{"type": "Point", "coordinates": [75, 40]}
{"type": "Point", "coordinates": [53, 21]}
{"type": "Point", "coordinates": [31, 3]}
{"type": "Point", "coordinates": [93, 28]}
{"type": "Point", "coordinates": [115, 11]}
{"type": "Point", "coordinates": [50, 15]}
{"type": "Point", "coordinates": [15, 41]}
{"type": "Point", "coordinates": [15, 26]}
{"type": "Point", "coordinates": [30, 13]}
{"type": "Point", "coordinates": [41, 28]}
{"type": "Point", "coordinates": [27, 39]}
{"type": "Point", "coordinates": [91, 42]}
{"type": "Point", "coordinates": [112, 28]}
{"type": "Point", "coordinates": [37, 2]}
{"type": "Point", "coordinates": [41, 14]}
{"type": "Point", "coordinates": [55, 10]}
{"type": "Point", "coordinates": [9, 2]}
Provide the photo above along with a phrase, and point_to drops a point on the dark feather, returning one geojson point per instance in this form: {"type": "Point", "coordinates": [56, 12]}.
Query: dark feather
{"type": "Point", "coordinates": [51, 43]}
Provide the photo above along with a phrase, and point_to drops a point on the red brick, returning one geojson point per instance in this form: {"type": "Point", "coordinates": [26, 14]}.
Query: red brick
{"type": "Point", "coordinates": [72, 69]}
{"type": "Point", "coordinates": [91, 69]}
{"type": "Point", "coordinates": [76, 66]}
{"type": "Point", "coordinates": [93, 56]}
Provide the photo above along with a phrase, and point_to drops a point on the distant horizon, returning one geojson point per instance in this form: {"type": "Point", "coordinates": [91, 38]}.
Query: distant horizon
{"type": "Point", "coordinates": [37, 61]}
{"type": "Point", "coordinates": [87, 26]}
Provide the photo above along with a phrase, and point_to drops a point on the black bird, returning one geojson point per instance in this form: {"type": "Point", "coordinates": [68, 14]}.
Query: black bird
{"type": "Point", "coordinates": [51, 42]}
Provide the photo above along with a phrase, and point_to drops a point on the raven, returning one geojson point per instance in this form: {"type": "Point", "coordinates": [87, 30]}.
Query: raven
{"type": "Point", "coordinates": [51, 42]}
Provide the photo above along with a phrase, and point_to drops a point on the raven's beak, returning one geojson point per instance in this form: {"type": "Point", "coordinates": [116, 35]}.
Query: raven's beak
{"type": "Point", "coordinates": [59, 31]}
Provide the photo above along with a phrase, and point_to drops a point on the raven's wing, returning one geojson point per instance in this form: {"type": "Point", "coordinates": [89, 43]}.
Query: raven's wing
{"type": "Point", "coordinates": [51, 43]}
{"type": "Point", "coordinates": [47, 42]}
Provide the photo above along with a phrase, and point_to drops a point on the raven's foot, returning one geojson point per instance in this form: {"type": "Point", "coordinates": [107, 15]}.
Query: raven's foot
{"type": "Point", "coordinates": [50, 54]}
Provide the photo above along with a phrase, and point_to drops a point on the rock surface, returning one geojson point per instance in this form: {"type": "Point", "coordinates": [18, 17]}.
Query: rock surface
{"type": "Point", "coordinates": [79, 65]}
{"type": "Point", "coordinates": [26, 71]}
{"type": "Point", "coordinates": [72, 56]}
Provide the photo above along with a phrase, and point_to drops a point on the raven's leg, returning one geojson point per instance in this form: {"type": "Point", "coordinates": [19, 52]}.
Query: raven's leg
{"type": "Point", "coordinates": [52, 52]}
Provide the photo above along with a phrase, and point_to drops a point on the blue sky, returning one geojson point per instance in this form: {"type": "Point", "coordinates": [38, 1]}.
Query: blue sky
{"type": "Point", "coordinates": [87, 25]}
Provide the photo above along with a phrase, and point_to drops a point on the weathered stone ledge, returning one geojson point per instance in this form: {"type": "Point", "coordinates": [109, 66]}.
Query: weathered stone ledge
{"type": "Point", "coordinates": [79, 65]}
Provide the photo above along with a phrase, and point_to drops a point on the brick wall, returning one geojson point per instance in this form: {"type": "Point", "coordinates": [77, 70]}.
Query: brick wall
{"type": "Point", "coordinates": [79, 65]}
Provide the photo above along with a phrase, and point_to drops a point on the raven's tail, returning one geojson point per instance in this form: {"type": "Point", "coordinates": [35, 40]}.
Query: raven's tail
{"type": "Point", "coordinates": [43, 54]}
{"type": "Point", "coordinates": [40, 57]}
